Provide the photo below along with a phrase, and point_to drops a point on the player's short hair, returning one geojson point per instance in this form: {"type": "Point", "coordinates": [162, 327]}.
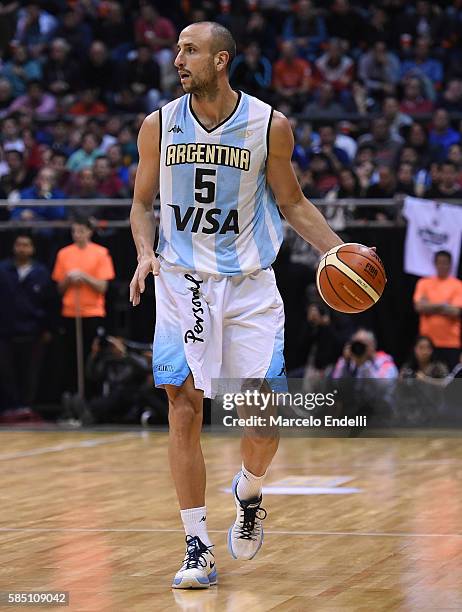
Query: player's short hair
{"type": "Point", "coordinates": [222, 40]}
{"type": "Point", "coordinates": [442, 253]}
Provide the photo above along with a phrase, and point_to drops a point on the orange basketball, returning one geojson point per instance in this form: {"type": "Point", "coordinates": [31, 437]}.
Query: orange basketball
{"type": "Point", "coordinates": [351, 278]}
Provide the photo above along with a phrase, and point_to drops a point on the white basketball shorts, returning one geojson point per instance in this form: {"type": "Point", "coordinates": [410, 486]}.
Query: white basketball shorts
{"type": "Point", "coordinates": [218, 328]}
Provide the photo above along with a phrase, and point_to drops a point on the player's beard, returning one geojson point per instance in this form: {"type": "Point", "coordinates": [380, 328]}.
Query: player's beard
{"type": "Point", "coordinates": [204, 85]}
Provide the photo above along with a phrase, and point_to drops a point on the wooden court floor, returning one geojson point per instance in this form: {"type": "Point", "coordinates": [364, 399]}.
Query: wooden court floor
{"type": "Point", "coordinates": [353, 524]}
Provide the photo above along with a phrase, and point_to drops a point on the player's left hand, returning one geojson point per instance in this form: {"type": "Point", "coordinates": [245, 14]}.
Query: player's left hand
{"type": "Point", "coordinates": [146, 264]}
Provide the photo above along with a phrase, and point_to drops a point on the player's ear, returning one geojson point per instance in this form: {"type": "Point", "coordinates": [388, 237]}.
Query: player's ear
{"type": "Point", "coordinates": [221, 60]}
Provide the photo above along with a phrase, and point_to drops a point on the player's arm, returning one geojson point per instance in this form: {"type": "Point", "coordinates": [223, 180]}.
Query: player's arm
{"type": "Point", "coordinates": [300, 213]}
{"type": "Point", "coordinates": [142, 218]}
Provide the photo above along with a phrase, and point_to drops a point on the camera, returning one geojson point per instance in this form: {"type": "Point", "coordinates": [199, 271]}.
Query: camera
{"type": "Point", "coordinates": [358, 348]}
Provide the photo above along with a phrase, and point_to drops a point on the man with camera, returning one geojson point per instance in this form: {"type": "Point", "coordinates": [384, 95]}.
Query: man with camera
{"type": "Point", "coordinates": [361, 359]}
{"type": "Point", "coordinates": [365, 377]}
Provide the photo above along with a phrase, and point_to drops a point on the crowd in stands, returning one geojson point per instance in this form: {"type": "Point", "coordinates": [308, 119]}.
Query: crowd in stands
{"type": "Point", "coordinates": [373, 92]}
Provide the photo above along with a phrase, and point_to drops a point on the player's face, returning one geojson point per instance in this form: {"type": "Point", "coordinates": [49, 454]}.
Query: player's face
{"type": "Point", "coordinates": [195, 62]}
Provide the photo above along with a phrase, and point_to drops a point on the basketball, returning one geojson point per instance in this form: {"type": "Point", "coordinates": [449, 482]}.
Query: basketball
{"type": "Point", "coordinates": [351, 278]}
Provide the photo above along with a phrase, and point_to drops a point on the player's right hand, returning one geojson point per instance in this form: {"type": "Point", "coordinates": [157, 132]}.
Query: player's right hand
{"type": "Point", "coordinates": [146, 264]}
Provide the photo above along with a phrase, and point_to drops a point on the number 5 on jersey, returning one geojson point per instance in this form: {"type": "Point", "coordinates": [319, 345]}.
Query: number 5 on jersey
{"type": "Point", "coordinates": [205, 189]}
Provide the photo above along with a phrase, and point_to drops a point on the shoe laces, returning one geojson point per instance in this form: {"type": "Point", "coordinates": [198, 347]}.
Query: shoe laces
{"type": "Point", "coordinates": [195, 553]}
{"type": "Point", "coordinates": [250, 512]}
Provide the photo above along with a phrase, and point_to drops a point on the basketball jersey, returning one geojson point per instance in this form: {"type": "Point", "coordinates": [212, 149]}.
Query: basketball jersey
{"type": "Point", "coordinates": [217, 213]}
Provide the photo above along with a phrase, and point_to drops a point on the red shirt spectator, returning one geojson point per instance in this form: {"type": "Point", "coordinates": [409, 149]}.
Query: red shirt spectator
{"type": "Point", "coordinates": [153, 30]}
{"type": "Point", "coordinates": [335, 67]}
{"type": "Point", "coordinates": [413, 103]}
{"type": "Point", "coordinates": [291, 73]}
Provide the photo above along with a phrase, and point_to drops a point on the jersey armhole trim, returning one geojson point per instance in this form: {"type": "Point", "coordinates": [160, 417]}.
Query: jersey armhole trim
{"type": "Point", "coordinates": [268, 132]}
{"type": "Point", "coordinates": [160, 128]}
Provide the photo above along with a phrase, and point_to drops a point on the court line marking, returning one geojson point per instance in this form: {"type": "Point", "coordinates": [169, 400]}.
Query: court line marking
{"type": "Point", "coordinates": [88, 443]}
{"type": "Point", "coordinates": [378, 534]}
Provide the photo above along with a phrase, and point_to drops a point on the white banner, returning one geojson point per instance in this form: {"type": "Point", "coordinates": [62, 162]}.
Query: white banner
{"type": "Point", "coordinates": [431, 227]}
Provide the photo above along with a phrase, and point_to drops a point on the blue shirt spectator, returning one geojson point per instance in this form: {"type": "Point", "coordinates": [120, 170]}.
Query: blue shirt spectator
{"type": "Point", "coordinates": [442, 134]}
{"type": "Point", "coordinates": [44, 189]}
{"type": "Point", "coordinates": [306, 29]}
{"type": "Point", "coordinates": [423, 64]}
{"type": "Point", "coordinates": [20, 70]}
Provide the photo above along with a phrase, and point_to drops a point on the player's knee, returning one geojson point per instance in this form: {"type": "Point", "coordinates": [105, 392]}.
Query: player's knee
{"type": "Point", "coordinates": [184, 414]}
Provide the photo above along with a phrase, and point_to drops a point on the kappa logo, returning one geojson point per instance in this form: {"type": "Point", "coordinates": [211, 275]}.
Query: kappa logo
{"type": "Point", "coordinates": [176, 129]}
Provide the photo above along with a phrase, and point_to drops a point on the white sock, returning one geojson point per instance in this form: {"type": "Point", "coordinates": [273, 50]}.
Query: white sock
{"type": "Point", "coordinates": [195, 523]}
{"type": "Point", "coordinates": [249, 486]}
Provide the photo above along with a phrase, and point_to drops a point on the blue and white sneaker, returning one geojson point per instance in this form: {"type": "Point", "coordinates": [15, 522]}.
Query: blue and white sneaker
{"type": "Point", "coordinates": [198, 570]}
{"type": "Point", "coordinates": [245, 536]}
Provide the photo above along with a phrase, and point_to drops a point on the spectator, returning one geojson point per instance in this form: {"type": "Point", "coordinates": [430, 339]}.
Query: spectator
{"type": "Point", "coordinates": [82, 271]}
{"type": "Point", "coordinates": [447, 185]}
{"type": "Point", "coordinates": [153, 30]}
{"type": "Point", "coordinates": [455, 156]}
{"type": "Point", "coordinates": [35, 27]}
{"type": "Point", "coordinates": [344, 139]}
{"type": "Point", "coordinates": [324, 175]}
{"type": "Point", "coordinates": [417, 138]}
{"type": "Point", "coordinates": [396, 119]}
{"type": "Point", "coordinates": [451, 99]}
{"type": "Point", "coordinates": [115, 31]}
{"type": "Point", "coordinates": [84, 186]}
{"type": "Point", "coordinates": [98, 71]}
{"type": "Point", "coordinates": [291, 76]}
{"type": "Point", "coordinates": [259, 29]}
{"type": "Point", "coordinates": [78, 34]}
{"type": "Point", "coordinates": [378, 27]}
{"type": "Point", "coordinates": [386, 147]}
{"type": "Point", "coordinates": [44, 189]}
{"type": "Point", "coordinates": [405, 176]}
{"type": "Point", "coordinates": [324, 104]}
{"type": "Point", "coordinates": [142, 78]}
{"type": "Point", "coordinates": [423, 363]}
{"type": "Point", "coordinates": [18, 176]}
{"type": "Point", "coordinates": [86, 155]}
{"type": "Point", "coordinates": [304, 142]}
{"type": "Point", "coordinates": [251, 72]}
{"type": "Point", "coordinates": [423, 66]}
{"type": "Point", "coordinates": [438, 301]}
{"type": "Point", "coordinates": [442, 134]}
{"type": "Point", "coordinates": [361, 359]}
{"type": "Point", "coordinates": [379, 71]}
{"type": "Point", "coordinates": [326, 145]}
{"type": "Point", "coordinates": [413, 101]}
{"type": "Point", "coordinates": [6, 97]}
{"type": "Point", "coordinates": [60, 72]}
{"type": "Point", "coordinates": [335, 67]}
{"type": "Point", "coordinates": [108, 183]}
{"type": "Point", "coordinates": [20, 70]}
{"type": "Point", "coordinates": [88, 104]}
{"type": "Point", "coordinates": [25, 290]}
{"type": "Point", "coordinates": [58, 164]}
{"type": "Point", "coordinates": [348, 187]}
{"type": "Point", "coordinates": [384, 188]}
{"type": "Point", "coordinates": [60, 137]}
{"type": "Point", "coordinates": [114, 155]}
{"type": "Point", "coordinates": [306, 28]}
{"type": "Point", "coordinates": [35, 101]}
{"type": "Point", "coordinates": [345, 22]}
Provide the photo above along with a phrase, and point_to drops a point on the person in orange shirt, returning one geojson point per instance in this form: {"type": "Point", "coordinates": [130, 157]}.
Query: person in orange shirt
{"type": "Point", "coordinates": [438, 300]}
{"type": "Point", "coordinates": [82, 271]}
{"type": "Point", "coordinates": [292, 76]}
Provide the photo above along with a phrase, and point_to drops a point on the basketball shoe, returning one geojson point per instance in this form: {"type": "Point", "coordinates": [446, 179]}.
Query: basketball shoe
{"type": "Point", "coordinates": [198, 570]}
{"type": "Point", "coordinates": [245, 536]}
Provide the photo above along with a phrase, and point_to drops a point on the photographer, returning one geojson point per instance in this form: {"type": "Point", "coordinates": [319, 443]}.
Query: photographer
{"type": "Point", "coordinates": [121, 375]}
{"type": "Point", "coordinates": [365, 378]}
{"type": "Point", "coordinates": [362, 360]}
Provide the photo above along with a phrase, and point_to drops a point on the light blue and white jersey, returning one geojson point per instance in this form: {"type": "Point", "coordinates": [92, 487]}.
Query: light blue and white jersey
{"type": "Point", "coordinates": [217, 213]}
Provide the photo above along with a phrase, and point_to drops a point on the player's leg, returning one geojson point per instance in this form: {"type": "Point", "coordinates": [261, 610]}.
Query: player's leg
{"type": "Point", "coordinates": [188, 471]}
{"type": "Point", "coordinates": [255, 336]}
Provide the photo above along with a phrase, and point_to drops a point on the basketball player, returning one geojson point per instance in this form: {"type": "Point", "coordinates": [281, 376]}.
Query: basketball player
{"type": "Point", "coordinates": [222, 162]}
